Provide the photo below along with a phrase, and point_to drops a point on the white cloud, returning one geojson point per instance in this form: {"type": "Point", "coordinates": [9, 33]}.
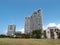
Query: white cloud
{"type": "Point", "coordinates": [58, 26]}
{"type": "Point", "coordinates": [5, 32]}
{"type": "Point", "coordinates": [44, 27]}
{"type": "Point", "coordinates": [51, 25]}
{"type": "Point", "coordinates": [21, 30]}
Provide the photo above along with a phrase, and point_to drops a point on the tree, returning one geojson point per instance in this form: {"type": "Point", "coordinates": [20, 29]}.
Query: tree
{"type": "Point", "coordinates": [25, 35]}
{"type": "Point", "coordinates": [37, 33]}
{"type": "Point", "coordinates": [3, 36]}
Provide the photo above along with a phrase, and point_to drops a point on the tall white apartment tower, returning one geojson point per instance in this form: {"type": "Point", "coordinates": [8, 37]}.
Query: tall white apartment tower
{"type": "Point", "coordinates": [11, 30]}
{"type": "Point", "coordinates": [34, 22]}
{"type": "Point", "coordinates": [27, 24]}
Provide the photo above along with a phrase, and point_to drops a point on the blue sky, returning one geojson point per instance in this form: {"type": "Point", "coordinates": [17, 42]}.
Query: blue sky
{"type": "Point", "coordinates": [15, 11]}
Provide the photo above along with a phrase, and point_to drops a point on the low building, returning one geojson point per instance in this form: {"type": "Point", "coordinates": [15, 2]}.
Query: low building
{"type": "Point", "coordinates": [44, 34]}
{"type": "Point", "coordinates": [51, 32]}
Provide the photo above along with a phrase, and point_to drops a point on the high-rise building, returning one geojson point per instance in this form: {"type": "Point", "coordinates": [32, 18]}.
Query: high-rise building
{"type": "Point", "coordinates": [27, 24]}
{"type": "Point", "coordinates": [11, 30]}
{"type": "Point", "coordinates": [34, 22]}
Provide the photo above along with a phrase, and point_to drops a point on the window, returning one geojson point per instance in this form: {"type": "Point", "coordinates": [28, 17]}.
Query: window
{"type": "Point", "coordinates": [39, 11]}
{"type": "Point", "coordinates": [11, 27]}
{"type": "Point", "coordinates": [35, 13]}
{"type": "Point", "coordinates": [38, 14]}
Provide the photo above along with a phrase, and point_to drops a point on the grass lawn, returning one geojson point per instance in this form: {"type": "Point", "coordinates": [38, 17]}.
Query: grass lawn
{"type": "Point", "coordinates": [7, 41]}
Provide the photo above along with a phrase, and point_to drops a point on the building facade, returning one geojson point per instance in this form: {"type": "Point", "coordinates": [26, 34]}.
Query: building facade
{"type": "Point", "coordinates": [27, 24]}
{"type": "Point", "coordinates": [51, 32]}
{"type": "Point", "coordinates": [34, 22]}
{"type": "Point", "coordinates": [11, 30]}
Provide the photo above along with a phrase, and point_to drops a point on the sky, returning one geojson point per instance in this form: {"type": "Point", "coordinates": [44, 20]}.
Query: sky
{"type": "Point", "coordinates": [15, 11]}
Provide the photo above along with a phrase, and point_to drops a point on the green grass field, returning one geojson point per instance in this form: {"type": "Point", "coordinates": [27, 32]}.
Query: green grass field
{"type": "Point", "coordinates": [7, 41]}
